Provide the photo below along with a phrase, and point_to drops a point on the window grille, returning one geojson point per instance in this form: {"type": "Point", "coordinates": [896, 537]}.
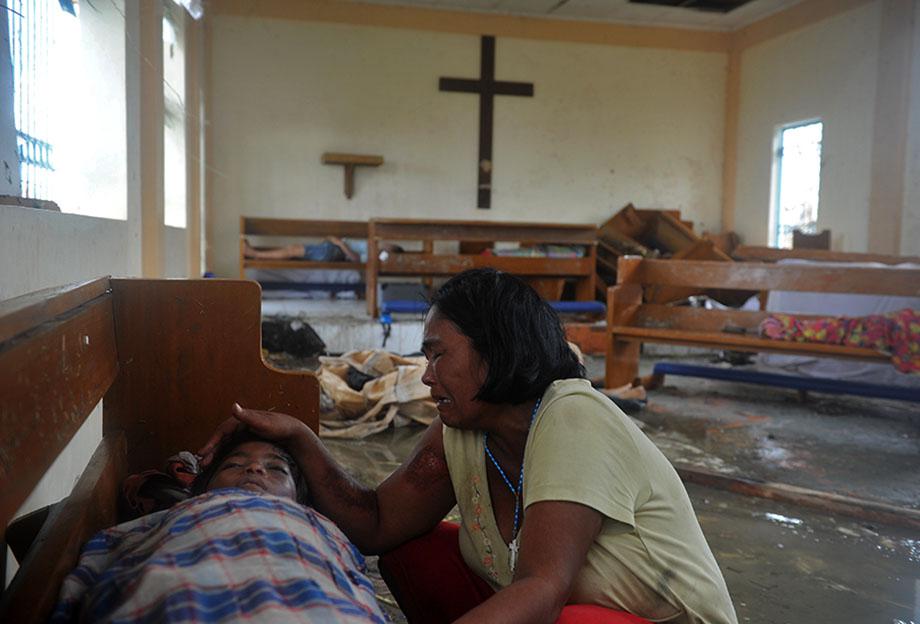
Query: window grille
{"type": "Point", "coordinates": [34, 27]}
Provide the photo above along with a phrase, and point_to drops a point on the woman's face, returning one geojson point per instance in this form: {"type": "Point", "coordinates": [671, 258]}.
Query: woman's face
{"type": "Point", "coordinates": [455, 372]}
{"type": "Point", "coordinates": [256, 466]}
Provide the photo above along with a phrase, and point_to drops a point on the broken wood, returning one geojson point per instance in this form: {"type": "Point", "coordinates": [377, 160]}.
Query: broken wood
{"type": "Point", "coordinates": [627, 222]}
{"type": "Point", "coordinates": [654, 233]}
{"type": "Point", "coordinates": [668, 233]}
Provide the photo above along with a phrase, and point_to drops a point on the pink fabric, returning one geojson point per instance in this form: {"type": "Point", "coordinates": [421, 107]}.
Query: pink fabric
{"type": "Point", "coordinates": [896, 334]}
{"type": "Point", "coordinates": [432, 583]}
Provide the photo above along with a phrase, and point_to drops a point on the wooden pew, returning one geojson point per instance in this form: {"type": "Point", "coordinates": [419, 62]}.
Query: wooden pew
{"type": "Point", "coordinates": [299, 228]}
{"type": "Point", "coordinates": [756, 253]}
{"type": "Point", "coordinates": [167, 358]}
{"type": "Point", "coordinates": [631, 321]}
{"type": "Point", "coordinates": [430, 264]}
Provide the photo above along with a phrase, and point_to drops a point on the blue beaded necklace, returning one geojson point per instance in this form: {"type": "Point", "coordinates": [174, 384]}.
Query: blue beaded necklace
{"type": "Point", "coordinates": [516, 491]}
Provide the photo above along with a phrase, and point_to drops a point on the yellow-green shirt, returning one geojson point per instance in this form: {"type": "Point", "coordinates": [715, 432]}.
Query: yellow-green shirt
{"type": "Point", "coordinates": [650, 558]}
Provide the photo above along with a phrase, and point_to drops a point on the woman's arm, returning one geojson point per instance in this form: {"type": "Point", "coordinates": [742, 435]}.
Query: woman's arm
{"type": "Point", "coordinates": [408, 503]}
{"type": "Point", "coordinates": [555, 539]}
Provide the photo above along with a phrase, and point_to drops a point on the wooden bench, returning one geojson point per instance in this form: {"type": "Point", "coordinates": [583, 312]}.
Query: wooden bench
{"type": "Point", "coordinates": [429, 264]}
{"type": "Point", "coordinates": [631, 322]}
{"type": "Point", "coordinates": [756, 253]}
{"type": "Point", "coordinates": [301, 229]}
{"type": "Point", "coordinates": [167, 358]}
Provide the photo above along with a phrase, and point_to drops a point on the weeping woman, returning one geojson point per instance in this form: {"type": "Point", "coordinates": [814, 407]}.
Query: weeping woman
{"type": "Point", "coordinates": [568, 512]}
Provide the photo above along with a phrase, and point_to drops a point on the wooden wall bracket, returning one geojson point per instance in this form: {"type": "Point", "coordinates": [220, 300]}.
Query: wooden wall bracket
{"type": "Point", "coordinates": [350, 161]}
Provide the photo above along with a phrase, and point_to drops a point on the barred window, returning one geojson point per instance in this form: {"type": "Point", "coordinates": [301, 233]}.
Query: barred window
{"type": "Point", "coordinates": [44, 45]}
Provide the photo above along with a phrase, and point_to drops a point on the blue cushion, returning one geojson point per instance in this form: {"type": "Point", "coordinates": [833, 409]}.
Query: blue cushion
{"type": "Point", "coordinates": [398, 306]}
{"type": "Point", "coordinates": [402, 306]}
{"type": "Point", "coordinates": [579, 307]}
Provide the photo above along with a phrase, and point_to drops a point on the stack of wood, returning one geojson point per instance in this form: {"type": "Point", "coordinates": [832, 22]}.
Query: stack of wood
{"type": "Point", "coordinates": [654, 233]}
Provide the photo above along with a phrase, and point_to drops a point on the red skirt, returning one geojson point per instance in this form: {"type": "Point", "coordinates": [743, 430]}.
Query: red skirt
{"type": "Point", "coordinates": [433, 585]}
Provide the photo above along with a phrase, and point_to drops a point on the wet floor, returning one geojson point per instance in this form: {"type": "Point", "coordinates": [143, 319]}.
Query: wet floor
{"type": "Point", "coordinates": [782, 563]}
{"type": "Point", "coordinates": [856, 447]}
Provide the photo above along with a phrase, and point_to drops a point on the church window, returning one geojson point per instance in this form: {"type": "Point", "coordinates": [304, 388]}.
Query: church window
{"type": "Point", "coordinates": [174, 126]}
{"type": "Point", "coordinates": [44, 38]}
{"type": "Point", "coordinates": [796, 181]}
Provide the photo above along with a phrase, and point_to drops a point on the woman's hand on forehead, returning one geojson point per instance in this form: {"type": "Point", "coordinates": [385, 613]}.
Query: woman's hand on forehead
{"type": "Point", "coordinates": [273, 426]}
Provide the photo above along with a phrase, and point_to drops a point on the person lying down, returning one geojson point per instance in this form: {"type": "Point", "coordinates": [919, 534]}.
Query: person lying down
{"type": "Point", "coordinates": [245, 547]}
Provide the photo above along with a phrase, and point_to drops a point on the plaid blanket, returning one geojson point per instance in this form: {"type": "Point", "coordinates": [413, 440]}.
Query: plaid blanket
{"type": "Point", "coordinates": [223, 556]}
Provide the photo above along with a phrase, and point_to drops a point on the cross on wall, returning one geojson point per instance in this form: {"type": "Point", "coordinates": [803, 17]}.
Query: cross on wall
{"type": "Point", "coordinates": [487, 88]}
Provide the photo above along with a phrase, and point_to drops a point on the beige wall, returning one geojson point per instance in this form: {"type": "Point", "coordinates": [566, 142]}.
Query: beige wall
{"type": "Point", "coordinates": [40, 249]}
{"type": "Point", "coordinates": [910, 223]}
{"type": "Point", "coordinates": [827, 70]}
{"type": "Point", "coordinates": [175, 262]}
{"type": "Point", "coordinates": [608, 125]}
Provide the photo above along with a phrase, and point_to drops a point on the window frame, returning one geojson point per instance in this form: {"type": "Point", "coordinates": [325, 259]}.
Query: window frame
{"type": "Point", "coordinates": [776, 181]}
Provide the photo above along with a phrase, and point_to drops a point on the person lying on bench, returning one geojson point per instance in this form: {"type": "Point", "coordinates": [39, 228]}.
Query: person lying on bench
{"type": "Point", "coordinates": [569, 513]}
{"type": "Point", "coordinates": [247, 547]}
{"type": "Point", "coordinates": [332, 249]}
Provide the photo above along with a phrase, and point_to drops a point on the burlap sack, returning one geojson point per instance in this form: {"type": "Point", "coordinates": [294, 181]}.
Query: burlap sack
{"type": "Point", "coordinates": [395, 395]}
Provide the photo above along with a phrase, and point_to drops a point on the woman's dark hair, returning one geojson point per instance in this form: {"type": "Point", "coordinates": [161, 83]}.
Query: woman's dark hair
{"type": "Point", "coordinates": [229, 444]}
{"type": "Point", "coordinates": [516, 333]}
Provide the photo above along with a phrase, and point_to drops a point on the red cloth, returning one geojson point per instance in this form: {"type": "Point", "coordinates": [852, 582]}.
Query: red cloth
{"type": "Point", "coordinates": [433, 585]}
{"type": "Point", "coordinates": [154, 490]}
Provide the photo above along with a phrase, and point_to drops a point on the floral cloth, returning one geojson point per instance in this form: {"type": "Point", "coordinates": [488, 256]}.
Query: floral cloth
{"type": "Point", "coordinates": [156, 490]}
{"type": "Point", "coordinates": [896, 334]}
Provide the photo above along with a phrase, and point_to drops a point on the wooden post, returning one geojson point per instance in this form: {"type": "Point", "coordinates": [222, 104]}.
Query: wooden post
{"type": "Point", "coordinates": [242, 248]}
{"type": "Point", "coordinates": [584, 288]}
{"type": "Point", "coordinates": [428, 282]}
{"type": "Point", "coordinates": [373, 264]}
{"type": "Point", "coordinates": [622, 361]}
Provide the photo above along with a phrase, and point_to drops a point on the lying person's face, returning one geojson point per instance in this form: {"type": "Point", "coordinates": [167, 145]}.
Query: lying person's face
{"type": "Point", "coordinates": [257, 466]}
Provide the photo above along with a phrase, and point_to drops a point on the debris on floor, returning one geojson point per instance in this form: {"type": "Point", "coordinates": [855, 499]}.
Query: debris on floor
{"type": "Point", "coordinates": [292, 336]}
{"type": "Point", "coordinates": [364, 392]}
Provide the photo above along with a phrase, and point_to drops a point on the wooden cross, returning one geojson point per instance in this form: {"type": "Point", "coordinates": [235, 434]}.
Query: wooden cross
{"type": "Point", "coordinates": [487, 88]}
